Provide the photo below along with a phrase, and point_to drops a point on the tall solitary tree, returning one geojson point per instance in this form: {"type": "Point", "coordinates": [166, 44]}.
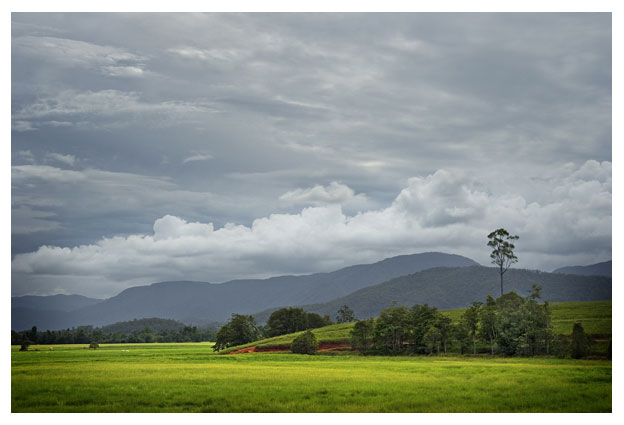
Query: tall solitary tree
{"type": "Point", "coordinates": [502, 254]}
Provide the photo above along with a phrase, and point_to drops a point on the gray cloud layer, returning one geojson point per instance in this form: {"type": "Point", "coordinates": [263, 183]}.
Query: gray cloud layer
{"type": "Point", "coordinates": [399, 132]}
{"type": "Point", "coordinates": [443, 211]}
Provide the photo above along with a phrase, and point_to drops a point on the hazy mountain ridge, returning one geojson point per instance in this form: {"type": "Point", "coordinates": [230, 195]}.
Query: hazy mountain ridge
{"type": "Point", "coordinates": [447, 288]}
{"type": "Point", "coordinates": [200, 302]}
{"type": "Point", "coordinates": [58, 302]}
{"type": "Point", "coordinates": [599, 269]}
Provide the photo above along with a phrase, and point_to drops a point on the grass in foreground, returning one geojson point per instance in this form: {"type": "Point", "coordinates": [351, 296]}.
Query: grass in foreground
{"type": "Point", "coordinates": [189, 378]}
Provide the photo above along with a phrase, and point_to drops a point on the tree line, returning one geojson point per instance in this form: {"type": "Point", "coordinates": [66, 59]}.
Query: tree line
{"type": "Point", "coordinates": [509, 325]}
{"type": "Point", "coordinates": [88, 334]}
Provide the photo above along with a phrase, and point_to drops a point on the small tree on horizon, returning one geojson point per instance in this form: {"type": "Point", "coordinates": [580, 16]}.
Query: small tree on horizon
{"type": "Point", "coordinates": [502, 254]}
{"type": "Point", "coordinates": [345, 315]}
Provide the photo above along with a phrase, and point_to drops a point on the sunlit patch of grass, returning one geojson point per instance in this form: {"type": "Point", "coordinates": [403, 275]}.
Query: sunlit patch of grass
{"type": "Point", "coordinates": [190, 378]}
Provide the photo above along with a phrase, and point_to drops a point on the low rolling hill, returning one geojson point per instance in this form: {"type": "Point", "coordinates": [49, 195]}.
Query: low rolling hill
{"type": "Point", "coordinates": [595, 316]}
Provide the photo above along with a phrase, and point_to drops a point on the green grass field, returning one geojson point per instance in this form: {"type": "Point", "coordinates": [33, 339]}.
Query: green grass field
{"type": "Point", "coordinates": [191, 378]}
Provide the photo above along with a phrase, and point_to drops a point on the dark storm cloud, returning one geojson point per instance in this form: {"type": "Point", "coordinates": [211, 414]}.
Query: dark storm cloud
{"type": "Point", "coordinates": [436, 121]}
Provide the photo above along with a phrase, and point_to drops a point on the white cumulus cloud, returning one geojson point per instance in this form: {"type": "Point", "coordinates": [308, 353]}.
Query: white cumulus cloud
{"type": "Point", "coordinates": [440, 212]}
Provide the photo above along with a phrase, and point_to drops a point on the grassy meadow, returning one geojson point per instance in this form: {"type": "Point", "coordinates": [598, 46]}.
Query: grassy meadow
{"type": "Point", "coordinates": [191, 378]}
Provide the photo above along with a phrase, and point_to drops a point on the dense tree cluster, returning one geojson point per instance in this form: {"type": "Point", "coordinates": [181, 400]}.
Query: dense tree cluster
{"type": "Point", "coordinates": [292, 319]}
{"type": "Point", "coordinates": [154, 323]}
{"type": "Point", "coordinates": [243, 329]}
{"type": "Point", "coordinates": [240, 329]}
{"type": "Point", "coordinates": [510, 325]}
{"type": "Point", "coordinates": [345, 315]}
{"type": "Point", "coordinates": [88, 334]}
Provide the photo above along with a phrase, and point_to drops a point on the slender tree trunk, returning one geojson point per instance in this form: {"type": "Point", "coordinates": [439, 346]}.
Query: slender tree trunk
{"type": "Point", "coordinates": [474, 346]}
{"type": "Point", "coordinates": [501, 275]}
{"type": "Point", "coordinates": [492, 345]}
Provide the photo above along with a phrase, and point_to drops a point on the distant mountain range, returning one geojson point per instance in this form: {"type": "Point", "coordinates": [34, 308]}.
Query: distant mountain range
{"type": "Point", "coordinates": [53, 302]}
{"type": "Point", "coordinates": [598, 269]}
{"type": "Point", "coordinates": [447, 288]}
{"type": "Point", "coordinates": [201, 303]}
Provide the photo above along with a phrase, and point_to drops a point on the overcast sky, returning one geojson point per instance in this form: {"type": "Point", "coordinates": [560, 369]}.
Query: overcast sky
{"type": "Point", "coordinates": [153, 147]}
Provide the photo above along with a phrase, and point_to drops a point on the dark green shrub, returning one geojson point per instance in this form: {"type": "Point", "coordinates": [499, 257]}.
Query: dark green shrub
{"type": "Point", "coordinates": [94, 345]}
{"type": "Point", "coordinates": [24, 346]}
{"type": "Point", "coordinates": [581, 342]}
{"type": "Point", "coordinates": [305, 343]}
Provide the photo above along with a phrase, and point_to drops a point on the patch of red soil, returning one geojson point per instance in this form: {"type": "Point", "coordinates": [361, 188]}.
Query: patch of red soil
{"type": "Point", "coordinates": [273, 348]}
{"type": "Point", "coordinates": [266, 348]}
{"type": "Point", "coordinates": [333, 346]}
{"type": "Point", "coordinates": [251, 349]}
